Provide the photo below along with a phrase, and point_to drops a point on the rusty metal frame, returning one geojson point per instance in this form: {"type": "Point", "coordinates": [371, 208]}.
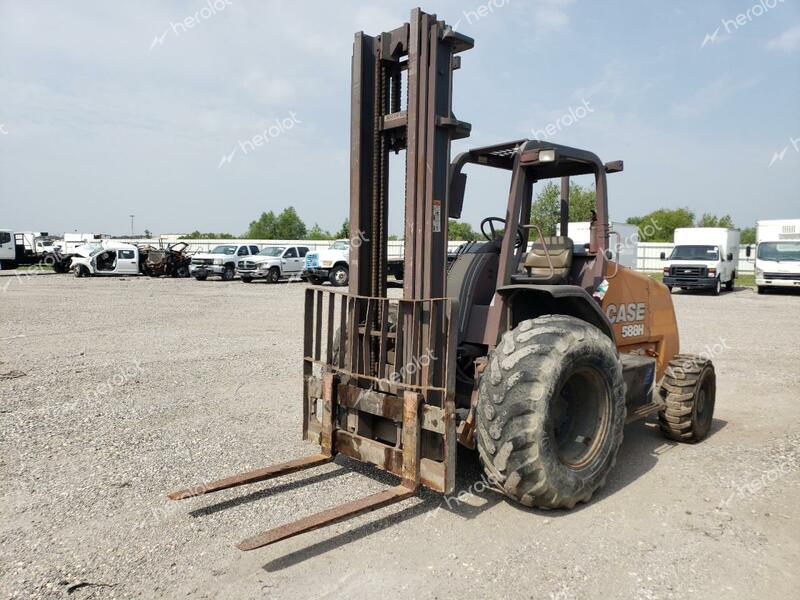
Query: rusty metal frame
{"type": "Point", "coordinates": [360, 398]}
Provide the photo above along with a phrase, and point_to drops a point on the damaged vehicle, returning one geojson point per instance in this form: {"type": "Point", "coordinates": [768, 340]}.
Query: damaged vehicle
{"type": "Point", "coordinates": [106, 257]}
{"type": "Point", "coordinates": [172, 261]}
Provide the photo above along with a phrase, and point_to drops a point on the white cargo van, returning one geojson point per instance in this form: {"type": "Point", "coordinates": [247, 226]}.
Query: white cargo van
{"type": "Point", "coordinates": [703, 258]}
{"type": "Point", "coordinates": [778, 254]}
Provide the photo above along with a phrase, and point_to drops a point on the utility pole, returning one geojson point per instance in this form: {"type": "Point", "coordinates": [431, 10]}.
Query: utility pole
{"type": "Point", "coordinates": [132, 224]}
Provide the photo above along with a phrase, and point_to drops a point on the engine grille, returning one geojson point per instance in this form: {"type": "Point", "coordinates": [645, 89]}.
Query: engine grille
{"type": "Point", "coordinates": [783, 276]}
{"type": "Point", "coordinates": [688, 271]}
{"type": "Point", "coordinates": [202, 261]}
{"type": "Point", "coordinates": [247, 264]}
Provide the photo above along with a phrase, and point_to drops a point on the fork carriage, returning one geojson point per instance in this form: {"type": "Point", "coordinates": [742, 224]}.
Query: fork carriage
{"type": "Point", "coordinates": [382, 391]}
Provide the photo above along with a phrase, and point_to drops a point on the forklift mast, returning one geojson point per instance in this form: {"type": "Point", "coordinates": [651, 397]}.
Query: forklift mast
{"type": "Point", "coordinates": [422, 52]}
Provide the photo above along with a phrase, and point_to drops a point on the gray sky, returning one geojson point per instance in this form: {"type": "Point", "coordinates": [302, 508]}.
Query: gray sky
{"type": "Point", "coordinates": [111, 108]}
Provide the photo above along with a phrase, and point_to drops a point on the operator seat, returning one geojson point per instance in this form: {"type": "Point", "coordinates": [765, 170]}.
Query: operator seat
{"type": "Point", "coordinates": [536, 267]}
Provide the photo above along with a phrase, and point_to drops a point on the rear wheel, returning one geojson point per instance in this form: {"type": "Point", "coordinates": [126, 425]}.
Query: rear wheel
{"type": "Point", "coordinates": [730, 283]}
{"type": "Point", "coordinates": [551, 412]}
{"type": "Point", "coordinates": [689, 388]}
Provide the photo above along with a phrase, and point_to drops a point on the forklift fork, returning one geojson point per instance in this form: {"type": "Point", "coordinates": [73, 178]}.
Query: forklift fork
{"type": "Point", "coordinates": [397, 493]}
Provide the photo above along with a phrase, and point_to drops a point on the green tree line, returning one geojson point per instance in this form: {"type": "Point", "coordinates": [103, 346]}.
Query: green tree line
{"type": "Point", "coordinates": [656, 226]}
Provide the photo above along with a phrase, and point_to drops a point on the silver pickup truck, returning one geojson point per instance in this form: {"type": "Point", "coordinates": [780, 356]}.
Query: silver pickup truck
{"type": "Point", "coordinates": [273, 263]}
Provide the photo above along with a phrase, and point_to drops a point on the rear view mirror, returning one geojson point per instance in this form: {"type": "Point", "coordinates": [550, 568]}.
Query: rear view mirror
{"type": "Point", "coordinates": [663, 256]}
{"type": "Point", "coordinates": [730, 256]}
{"type": "Point", "coordinates": [457, 187]}
{"type": "Point", "coordinates": [749, 251]}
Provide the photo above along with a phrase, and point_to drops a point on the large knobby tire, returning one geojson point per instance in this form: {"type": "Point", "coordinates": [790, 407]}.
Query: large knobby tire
{"type": "Point", "coordinates": [551, 412]}
{"type": "Point", "coordinates": [689, 388]}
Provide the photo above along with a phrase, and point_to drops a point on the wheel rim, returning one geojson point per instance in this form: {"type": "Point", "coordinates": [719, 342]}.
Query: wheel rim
{"type": "Point", "coordinates": [273, 276]}
{"type": "Point", "coordinates": [340, 276]}
{"type": "Point", "coordinates": [581, 416]}
{"type": "Point", "coordinates": [703, 404]}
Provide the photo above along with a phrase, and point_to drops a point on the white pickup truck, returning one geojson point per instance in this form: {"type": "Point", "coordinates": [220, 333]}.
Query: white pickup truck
{"type": "Point", "coordinates": [273, 263]}
{"type": "Point", "coordinates": [333, 264]}
{"type": "Point", "coordinates": [105, 257]}
{"type": "Point", "coordinates": [220, 261]}
{"type": "Point", "coordinates": [703, 258]}
{"type": "Point", "coordinates": [778, 254]}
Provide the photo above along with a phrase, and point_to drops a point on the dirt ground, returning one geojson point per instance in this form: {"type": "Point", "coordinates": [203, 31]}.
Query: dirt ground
{"type": "Point", "coordinates": [116, 391]}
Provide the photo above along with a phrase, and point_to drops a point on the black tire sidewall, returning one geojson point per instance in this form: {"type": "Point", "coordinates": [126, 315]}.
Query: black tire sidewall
{"type": "Point", "coordinates": [527, 406]}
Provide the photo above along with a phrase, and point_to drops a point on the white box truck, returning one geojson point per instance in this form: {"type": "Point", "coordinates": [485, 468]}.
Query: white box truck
{"type": "Point", "coordinates": [623, 241]}
{"type": "Point", "coordinates": [777, 261]}
{"type": "Point", "coordinates": [702, 258]}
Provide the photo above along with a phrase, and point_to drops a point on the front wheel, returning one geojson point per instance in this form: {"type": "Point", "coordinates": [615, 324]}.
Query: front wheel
{"type": "Point", "coordinates": [551, 412]}
{"type": "Point", "coordinates": [339, 276]}
{"type": "Point", "coordinates": [717, 287]}
{"type": "Point", "coordinates": [274, 275]}
{"type": "Point", "coordinates": [314, 280]}
{"type": "Point", "coordinates": [201, 277]}
{"type": "Point", "coordinates": [182, 271]}
{"type": "Point", "coordinates": [81, 271]}
{"type": "Point", "coordinates": [228, 273]}
{"type": "Point", "coordinates": [247, 279]}
{"type": "Point", "coordinates": [761, 289]}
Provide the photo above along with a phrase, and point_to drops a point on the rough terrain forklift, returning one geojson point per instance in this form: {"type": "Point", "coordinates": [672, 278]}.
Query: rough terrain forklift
{"type": "Point", "coordinates": [528, 348]}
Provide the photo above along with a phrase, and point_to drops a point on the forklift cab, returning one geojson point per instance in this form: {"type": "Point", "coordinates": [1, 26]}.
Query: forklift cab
{"type": "Point", "coordinates": [527, 255]}
{"type": "Point", "coordinates": [518, 260]}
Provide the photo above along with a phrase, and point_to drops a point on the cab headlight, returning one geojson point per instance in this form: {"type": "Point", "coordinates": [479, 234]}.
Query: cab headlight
{"type": "Point", "coordinates": [263, 266]}
{"type": "Point", "coordinates": [327, 263]}
{"type": "Point", "coordinates": [712, 272]}
{"type": "Point", "coordinates": [218, 261]}
{"type": "Point", "coordinates": [759, 272]}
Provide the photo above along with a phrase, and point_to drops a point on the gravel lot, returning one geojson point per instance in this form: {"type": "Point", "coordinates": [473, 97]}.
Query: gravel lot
{"type": "Point", "coordinates": [115, 391]}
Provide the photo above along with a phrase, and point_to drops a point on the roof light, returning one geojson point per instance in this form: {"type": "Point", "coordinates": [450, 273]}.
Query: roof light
{"type": "Point", "coordinates": [547, 155]}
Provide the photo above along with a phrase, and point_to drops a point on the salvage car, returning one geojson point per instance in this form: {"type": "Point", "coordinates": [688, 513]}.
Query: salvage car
{"type": "Point", "coordinates": [221, 261]}
{"type": "Point", "coordinates": [105, 257]}
{"type": "Point", "coordinates": [273, 263]}
{"type": "Point", "coordinates": [172, 261]}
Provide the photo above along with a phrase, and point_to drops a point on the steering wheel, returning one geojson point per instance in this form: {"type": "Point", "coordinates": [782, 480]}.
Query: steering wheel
{"type": "Point", "coordinates": [492, 234]}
